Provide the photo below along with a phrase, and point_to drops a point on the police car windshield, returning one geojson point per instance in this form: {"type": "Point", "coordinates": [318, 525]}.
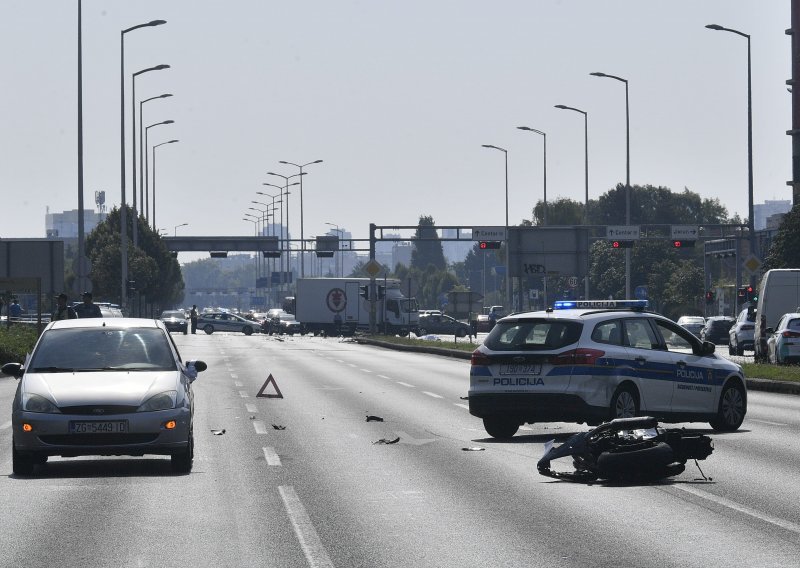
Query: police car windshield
{"type": "Point", "coordinates": [533, 335]}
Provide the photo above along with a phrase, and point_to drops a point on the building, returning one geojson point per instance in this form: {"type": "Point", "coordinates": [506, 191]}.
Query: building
{"type": "Point", "coordinates": [456, 251]}
{"type": "Point", "coordinates": [763, 211]}
{"type": "Point", "coordinates": [64, 225]}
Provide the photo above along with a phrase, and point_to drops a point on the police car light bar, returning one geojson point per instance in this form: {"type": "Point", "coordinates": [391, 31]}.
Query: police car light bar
{"type": "Point", "coordinates": [598, 304]}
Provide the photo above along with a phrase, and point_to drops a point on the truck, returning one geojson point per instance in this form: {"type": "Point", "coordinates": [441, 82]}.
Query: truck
{"type": "Point", "coordinates": [337, 306]}
{"type": "Point", "coordinates": [778, 294]}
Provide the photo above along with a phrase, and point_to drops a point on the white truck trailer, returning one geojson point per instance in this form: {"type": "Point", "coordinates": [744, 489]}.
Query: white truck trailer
{"type": "Point", "coordinates": [335, 306]}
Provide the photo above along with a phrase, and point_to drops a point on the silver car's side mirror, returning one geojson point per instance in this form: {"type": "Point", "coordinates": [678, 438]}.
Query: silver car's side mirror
{"type": "Point", "coordinates": [15, 370]}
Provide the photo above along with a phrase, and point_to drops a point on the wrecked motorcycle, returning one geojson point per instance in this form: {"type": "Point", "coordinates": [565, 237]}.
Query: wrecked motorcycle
{"type": "Point", "coordinates": [627, 449]}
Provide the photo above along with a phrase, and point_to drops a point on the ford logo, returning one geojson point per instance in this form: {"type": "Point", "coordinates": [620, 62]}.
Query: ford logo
{"type": "Point", "coordinates": [98, 411]}
{"type": "Point", "coordinates": [518, 359]}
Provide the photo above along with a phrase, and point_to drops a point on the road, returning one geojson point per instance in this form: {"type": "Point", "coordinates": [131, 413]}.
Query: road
{"type": "Point", "coordinates": [321, 491]}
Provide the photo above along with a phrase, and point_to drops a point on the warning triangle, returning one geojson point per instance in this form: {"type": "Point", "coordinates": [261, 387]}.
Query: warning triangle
{"type": "Point", "coordinates": [269, 380]}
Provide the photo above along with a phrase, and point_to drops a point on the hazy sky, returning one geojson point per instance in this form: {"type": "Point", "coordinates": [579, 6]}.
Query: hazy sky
{"type": "Point", "coordinates": [396, 98]}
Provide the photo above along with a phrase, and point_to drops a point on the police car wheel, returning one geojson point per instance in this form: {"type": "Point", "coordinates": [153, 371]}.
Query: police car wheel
{"type": "Point", "coordinates": [499, 427]}
{"type": "Point", "coordinates": [422, 331]}
{"type": "Point", "coordinates": [624, 403]}
{"type": "Point", "coordinates": [209, 329]}
{"type": "Point", "coordinates": [247, 330]}
{"type": "Point", "coordinates": [730, 414]}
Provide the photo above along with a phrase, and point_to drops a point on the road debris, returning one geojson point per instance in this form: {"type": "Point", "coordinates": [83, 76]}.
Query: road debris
{"type": "Point", "coordinates": [385, 441]}
{"type": "Point", "coordinates": [371, 418]}
{"type": "Point", "coordinates": [279, 427]}
{"type": "Point", "coordinates": [474, 449]}
{"type": "Point", "coordinates": [218, 432]}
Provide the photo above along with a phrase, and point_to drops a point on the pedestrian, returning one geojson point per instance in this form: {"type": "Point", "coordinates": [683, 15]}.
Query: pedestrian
{"type": "Point", "coordinates": [14, 310]}
{"type": "Point", "coordinates": [63, 311]}
{"type": "Point", "coordinates": [88, 309]}
{"type": "Point", "coordinates": [193, 318]}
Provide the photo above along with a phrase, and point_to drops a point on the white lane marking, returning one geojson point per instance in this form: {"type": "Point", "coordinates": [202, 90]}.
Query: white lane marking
{"type": "Point", "coordinates": [260, 427]}
{"type": "Point", "coordinates": [385, 377]}
{"type": "Point", "coordinates": [464, 406]}
{"type": "Point", "coordinates": [271, 457]}
{"type": "Point", "coordinates": [526, 428]}
{"type": "Point", "coordinates": [766, 422]}
{"type": "Point", "coordinates": [251, 407]}
{"type": "Point", "coordinates": [338, 360]}
{"type": "Point", "coordinates": [365, 370]}
{"type": "Point", "coordinates": [354, 366]}
{"type": "Point", "coordinates": [238, 383]}
{"type": "Point", "coordinates": [433, 394]}
{"type": "Point", "coordinates": [5, 425]}
{"type": "Point", "coordinates": [243, 394]}
{"type": "Point", "coordinates": [788, 525]}
{"type": "Point", "coordinates": [234, 376]}
{"type": "Point", "coordinates": [405, 384]}
{"type": "Point", "coordinates": [312, 547]}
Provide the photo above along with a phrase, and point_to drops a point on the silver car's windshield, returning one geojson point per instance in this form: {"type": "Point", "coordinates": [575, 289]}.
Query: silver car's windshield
{"type": "Point", "coordinates": [102, 349]}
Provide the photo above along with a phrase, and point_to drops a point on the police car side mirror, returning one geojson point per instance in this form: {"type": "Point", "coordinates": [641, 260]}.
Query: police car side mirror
{"type": "Point", "coordinates": [769, 331]}
{"type": "Point", "coordinates": [707, 348]}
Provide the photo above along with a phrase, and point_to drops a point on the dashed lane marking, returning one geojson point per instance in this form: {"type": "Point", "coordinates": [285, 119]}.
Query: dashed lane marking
{"type": "Point", "coordinates": [251, 407]}
{"type": "Point", "coordinates": [365, 370]}
{"type": "Point", "coordinates": [464, 406]}
{"type": "Point", "coordinates": [766, 422]}
{"type": "Point", "coordinates": [5, 425]}
{"type": "Point", "coordinates": [271, 457]}
{"type": "Point", "coordinates": [433, 394]}
{"type": "Point", "coordinates": [243, 394]}
{"type": "Point", "coordinates": [234, 376]}
{"type": "Point", "coordinates": [238, 383]}
{"type": "Point", "coordinates": [405, 384]}
{"type": "Point", "coordinates": [310, 543]}
{"type": "Point", "coordinates": [385, 377]}
{"type": "Point", "coordinates": [260, 427]}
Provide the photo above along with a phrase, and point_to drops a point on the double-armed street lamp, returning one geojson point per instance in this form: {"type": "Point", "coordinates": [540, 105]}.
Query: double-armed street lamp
{"type": "Point", "coordinates": [544, 168]}
{"type": "Point", "coordinates": [302, 240]}
{"type": "Point", "coordinates": [627, 175]}
{"type": "Point", "coordinates": [146, 170]}
{"type": "Point", "coordinates": [508, 248]}
{"type": "Point", "coordinates": [286, 180]}
{"type": "Point", "coordinates": [133, 145]}
{"type": "Point", "coordinates": [123, 203]}
{"type": "Point", "coordinates": [142, 156]}
{"type": "Point", "coordinates": [154, 174]}
{"type": "Point", "coordinates": [750, 220]}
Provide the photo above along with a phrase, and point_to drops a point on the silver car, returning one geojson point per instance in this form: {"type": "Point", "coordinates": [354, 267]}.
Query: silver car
{"type": "Point", "coordinates": [225, 321]}
{"type": "Point", "coordinates": [103, 387]}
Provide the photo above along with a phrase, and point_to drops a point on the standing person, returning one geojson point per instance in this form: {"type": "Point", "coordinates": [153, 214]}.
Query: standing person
{"type": "Point", "coordinates": [193, 318]}
{"type": "Point", "coordinates": [88, 309]}
{"type": "Point", "coordinates": [14, 310]}
{"type": "Point", "coordinates": [63, 311]}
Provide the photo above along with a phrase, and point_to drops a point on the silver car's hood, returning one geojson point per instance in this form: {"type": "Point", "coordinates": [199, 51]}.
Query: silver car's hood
{"type": "Point", "coordinates": [112, 387]}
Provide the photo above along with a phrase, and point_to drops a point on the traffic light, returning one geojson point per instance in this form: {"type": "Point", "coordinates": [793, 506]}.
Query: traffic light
{"type": "Point", "coordinates": [131, 285]}
{"type": "Point", "coordinates": [483, 245]}
{"type": "Point", "coordinates": [622, 244]}
{"type": "Point", "coordinates": [683, 244]}
{"type": "Point", "coordinates": [363, 291]}
{"type": "Point", "coordinates": [751, 295]}
{"type": "Point", "coordinates": [741, 294]}
{"type": "Point", "coordinates": [271, 253]}
{"type": "Point", "coordinates": [381, 292]}
{"type": "Point", "coordinates": [709, 296]}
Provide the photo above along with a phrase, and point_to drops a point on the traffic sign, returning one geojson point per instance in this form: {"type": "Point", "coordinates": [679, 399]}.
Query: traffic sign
{"type": "Point", "coordinates": [622, 232]}
{"type": "Point", "coordinates": [488, 233]}
{"type": "Point", "coordinates": [684, 232]}
{"type": "Point", "coordinates": [751, 263]}
{"type": "Point", "coordinates": [373, 267]}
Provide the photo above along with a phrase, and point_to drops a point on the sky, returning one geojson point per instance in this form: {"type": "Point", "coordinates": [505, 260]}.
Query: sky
{"type": "Point", "coordinates": [397, 99]}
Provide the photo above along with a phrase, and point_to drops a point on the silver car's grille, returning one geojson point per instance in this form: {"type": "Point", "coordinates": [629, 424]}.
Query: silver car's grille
{"type": "Point", "coordinates": [98, 439]}
{"type": "Point", "coordinates": [98, 410]}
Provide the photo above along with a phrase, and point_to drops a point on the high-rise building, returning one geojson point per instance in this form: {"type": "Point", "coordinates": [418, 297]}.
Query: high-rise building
{"type": "Point", "coordinates": [64, 225]}
{"type": "Point", "coordinates": [763, 211]}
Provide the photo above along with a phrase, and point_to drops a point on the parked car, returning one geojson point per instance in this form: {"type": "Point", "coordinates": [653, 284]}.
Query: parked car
{"type": "Point", "coordinates": [272, 320]}
{"type": "Point", "coordinates": [442, 325]}
{"type": "Point", "coordinates": [694, 324]}
{"type": "Point", "coordinates": [287, 324]}
{"type": "Point", "coordinates": [783, 343]}
{"type": "Point", "coordinates": [175, 320]}
{"type": "Point", "coordinates": [716, 329]}
{"type": "Point", "coordinates": [740, 336]}
{"type": "Point", "coordinates": [99, 387]}
{"type": "Point", "coordinates": [224, 321]}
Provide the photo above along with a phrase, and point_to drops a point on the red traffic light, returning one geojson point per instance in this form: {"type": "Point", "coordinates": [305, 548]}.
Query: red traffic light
{"type": "Point", "coordinates": [483, 245]}
{"type": "Point", "coordinates": [683, 244]}
{"type": "Point", "coordinates": [749, 289]}
{"type": "Point", "coordinates": [621, 244]}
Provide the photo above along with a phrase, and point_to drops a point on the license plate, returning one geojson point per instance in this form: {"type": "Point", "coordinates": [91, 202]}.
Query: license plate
{"type": "Point", "coordinates": [521, 369]}
{"type": "Point", "coordinates": [100, 427]}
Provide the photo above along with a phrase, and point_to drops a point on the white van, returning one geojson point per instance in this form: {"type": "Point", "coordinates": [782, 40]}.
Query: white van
{"type": "Point", "coordinates": [779, 293]}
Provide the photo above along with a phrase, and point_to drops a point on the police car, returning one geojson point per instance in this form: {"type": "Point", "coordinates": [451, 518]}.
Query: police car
{"type": "Point", "coordinates": [592, 361]}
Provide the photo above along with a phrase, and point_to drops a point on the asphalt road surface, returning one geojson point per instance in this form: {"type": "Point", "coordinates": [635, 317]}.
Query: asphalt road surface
{"type": "Point", "coordinates": [317, 489]}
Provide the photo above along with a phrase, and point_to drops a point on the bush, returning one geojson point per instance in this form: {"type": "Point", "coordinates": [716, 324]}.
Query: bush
{"type": "Point", "coordinates": [16, 342]}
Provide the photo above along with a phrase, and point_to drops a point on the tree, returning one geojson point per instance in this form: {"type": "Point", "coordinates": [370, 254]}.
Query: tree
{"type": "Point", "coordinates": [562, 211]}
{"type": "Point", "coordinates": [427, 247]}
{"type": "Point", "coordinates": [784, 252]}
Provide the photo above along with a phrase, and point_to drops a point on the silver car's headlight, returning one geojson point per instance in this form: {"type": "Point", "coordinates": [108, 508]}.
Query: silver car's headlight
{"type": "Point", "coordinates": [161, 401]}
{"type": "Point", "coordinates": [35, 403]}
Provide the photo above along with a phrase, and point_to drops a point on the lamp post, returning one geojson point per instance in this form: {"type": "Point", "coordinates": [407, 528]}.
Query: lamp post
{"type": "Point", "coordinates": [123, 215]}
{"type": "Point", "coordinates": [508, 248]}
{"type": "Point", "coordinates": [146, 176]}
{"type": "Point", "coordinates": [142, 152]}
{"type": "Point", "coordinates": [341, 234]}
{"type": "Point", "coordinates": [750, 220]}
{"type": "Point", "coordinates": [627, 176]}
{"type": "Point", "coordinates": [288, 248]}
{"type": "Point", "coordinates": [544, 166]}
{"type": "Point", "coordinates": [154, 176]}
{"type": "Point", "coordinates": [181, 225]}
{"type": "Point", "coordinates": [133, 145]}
{"type": "Point", "coordinates": [586, 181]}
{"type": "Point", "coordinates": [302, 241]}
{"type": "Point", "coordinates": [279, 198]}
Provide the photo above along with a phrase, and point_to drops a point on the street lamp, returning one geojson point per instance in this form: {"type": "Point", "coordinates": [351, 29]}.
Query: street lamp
{"type": "Point", "coordinates": [544, 137]}
{"type": "Point", "coordinates": [133, 145]}
{"type": "Point", "coordinates": [627, 176]}
{"type": "Point", "coordinates": [289, 248]}
{"type": "Point", "coordinates": [154, 175]}
{"type": "Point", "coordinates": [508, 248]}
{"type": "Point", "coordinates": [123, 215]}
{"type": "Point", "coordinates": [146, 176]}
{"type": "Point", "coordinates": [341, 259]}
{"type": "Point", "coordinates": [750, 220]}
{"type": "Point", "coordinates": [302, 241]}
{"type": "Point", "coordinates": [181, 225]}
{"type": "Point", "coordinates": [586, 179]}
{"type": "Point", "coordinates": [141, 149]}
